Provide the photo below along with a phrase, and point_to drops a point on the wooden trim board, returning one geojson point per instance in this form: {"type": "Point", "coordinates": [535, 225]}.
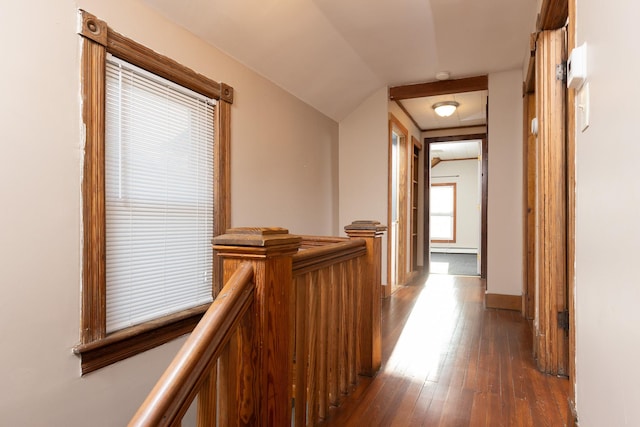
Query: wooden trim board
{"type": "Point", "coordinates": [403, 153]}
{"type": "Point", "coordinates": [571, 214]}
{"type": "Point", "coordinates": [503, 302]}
{"type": "Point", "coordinates": [445, 87]}
{"type": "Point", "coordinates": [551, 207]}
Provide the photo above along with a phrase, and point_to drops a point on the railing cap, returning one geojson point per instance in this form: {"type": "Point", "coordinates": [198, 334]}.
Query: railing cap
{"type": "Point", "coordinates": [357, 227]}
{"type": "Point", "coordinates": [259, 237]}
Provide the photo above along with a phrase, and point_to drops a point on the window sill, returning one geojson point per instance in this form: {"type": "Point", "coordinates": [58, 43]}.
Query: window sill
{"type": "Point", "coordinates": [137, 339]}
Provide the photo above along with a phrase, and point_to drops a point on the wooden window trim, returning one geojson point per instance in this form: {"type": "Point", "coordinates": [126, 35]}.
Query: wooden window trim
{"type": "Point", "coordinates": [455, 212]}
{"type": "Point", "coordinates": [97, 348]}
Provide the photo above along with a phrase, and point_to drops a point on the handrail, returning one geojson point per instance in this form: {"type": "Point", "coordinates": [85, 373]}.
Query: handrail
{"type": "Point", "coordinates": [241, 362]}
{"type": "Point", "coordinates": [333, 316]}
{"type": "Point", "coordinates": [178, 386]}
{"type": "Point", "coordinates": [329, 253]}
{"type": "Point", "coordinates": [313, 241]}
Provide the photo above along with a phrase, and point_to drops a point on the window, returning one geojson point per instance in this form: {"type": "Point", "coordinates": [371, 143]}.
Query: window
{"type": "Point", "coordinates": [155, 192]}
{"type": "Point", "coordinates": [443, 213]}
{"type": "Point", "coordinates": [159, 196]}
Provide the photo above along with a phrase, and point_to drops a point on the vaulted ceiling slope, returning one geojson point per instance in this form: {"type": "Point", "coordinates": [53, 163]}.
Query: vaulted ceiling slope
{"type": "Point", "coordinates": [332, 54]}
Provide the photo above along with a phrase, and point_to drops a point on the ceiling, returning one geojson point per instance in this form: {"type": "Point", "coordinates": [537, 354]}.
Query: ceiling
{"type": "Point", "coordinates": [333, 54]}
{"type": "Point", "coordinates": [455, 150]}
{"type": "Point", "coordinates": [470, 112]}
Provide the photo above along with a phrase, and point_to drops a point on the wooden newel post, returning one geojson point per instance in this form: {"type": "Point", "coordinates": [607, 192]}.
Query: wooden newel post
{"type": "Point", "coordinates": [263, 395]}
{"type": "Point", "coordinates": [369, 319]}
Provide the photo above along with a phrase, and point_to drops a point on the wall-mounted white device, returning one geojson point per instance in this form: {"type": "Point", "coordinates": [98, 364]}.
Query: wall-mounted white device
{"type": "Point", "coordinates": [577, 67]}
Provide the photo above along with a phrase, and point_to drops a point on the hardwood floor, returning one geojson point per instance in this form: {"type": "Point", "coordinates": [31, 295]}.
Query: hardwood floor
{"type": "Point", "coordinates": [448, 361]}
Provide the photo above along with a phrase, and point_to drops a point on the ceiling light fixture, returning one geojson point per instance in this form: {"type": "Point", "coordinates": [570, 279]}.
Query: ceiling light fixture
{"type": "Point", "coordinates": [446, 108]}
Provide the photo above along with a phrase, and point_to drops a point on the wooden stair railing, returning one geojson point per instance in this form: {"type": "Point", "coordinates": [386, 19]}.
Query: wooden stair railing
{"type": "Point", "coordinates": [298, 317]}
{"type": "Point", "coordinates": [336, 332]}
{"type": "Point", "coordinates": [326, 299]}
{"type": "Point", "coordinates": [193, 368]}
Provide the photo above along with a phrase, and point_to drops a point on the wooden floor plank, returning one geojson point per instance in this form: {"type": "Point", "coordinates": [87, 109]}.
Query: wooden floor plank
{"type": "Point", "coordinates": [423, 404]}
{"type": "Point", "coordinates": [406, 407]}
{"type": "Point", "coordinates": [448, 361]}
{"type": "Point", "coordinates": [479, 409]}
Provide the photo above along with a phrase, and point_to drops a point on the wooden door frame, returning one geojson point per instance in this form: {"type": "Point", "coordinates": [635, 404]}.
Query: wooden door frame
{"type": "Point", "coordinates": [571, 213]}
{"type": "Point", "coordinates": [445, 87]}
{"type": "Point", "coordinates": [485, 193]}
{"type": "Point", "coordinates": [403, 192]}
{"type": "Point", "coordinates": [551, 345]}
{"type": "Point", "coordinates": [554, 15]}
{"type": "Point", "coordinates": [529, 207]}
{"type": "Point", "coordinates": [414, 197]}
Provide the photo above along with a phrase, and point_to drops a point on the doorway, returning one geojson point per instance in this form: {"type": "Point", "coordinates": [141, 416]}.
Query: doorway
{"type": "Point", "coordinates": [398, 242]}
{"type": "Point", "coordinates": [394, 206]}
{"type": "Point", "coordinates": [454, 206]}
{"type": "Point", "coordinates": [468, 121]}
{"type": "Point", "coordinates": [475, 207]}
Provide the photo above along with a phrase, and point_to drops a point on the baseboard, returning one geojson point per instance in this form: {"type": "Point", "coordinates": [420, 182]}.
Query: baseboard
{"type": "Point", "coordinates": [503, 302]}
{"type": "Point", "coordinates": [454, 250]}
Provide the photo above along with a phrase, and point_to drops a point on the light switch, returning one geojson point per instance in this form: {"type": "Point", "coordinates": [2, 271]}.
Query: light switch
{"type": "Point", "coordinates": [582, 100]}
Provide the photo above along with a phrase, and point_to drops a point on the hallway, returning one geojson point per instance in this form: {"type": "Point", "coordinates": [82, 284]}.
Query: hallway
{"type": "Point", "coordinates": [449, 362]}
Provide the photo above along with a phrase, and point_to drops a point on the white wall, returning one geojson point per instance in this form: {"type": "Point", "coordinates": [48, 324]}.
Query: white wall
{"type": "Point", "coordinates": [364, 163]}
{"type": "Point", "coordinates": [504, 217]}
{"type": "Point", "coordinates": [283, 156]}
{"type": "Point", "coordinates": [364, 146]}
{"type": "Point", "coordinates": [608, 206]}
{"type": "Point", "coordinates": [467, 202]}
{"type": "Point", "coordinates": [284, 163]}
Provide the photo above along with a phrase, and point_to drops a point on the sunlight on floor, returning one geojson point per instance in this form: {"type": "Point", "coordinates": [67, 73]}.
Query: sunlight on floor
{"type": "Point", "coordinates": [439, 267]}
{"type": "Point", "coordinates": [424, 341]}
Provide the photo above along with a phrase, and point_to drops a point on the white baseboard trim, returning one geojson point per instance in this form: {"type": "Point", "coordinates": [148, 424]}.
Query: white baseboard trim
{"type": "Point", "coordinates": [454, 250]}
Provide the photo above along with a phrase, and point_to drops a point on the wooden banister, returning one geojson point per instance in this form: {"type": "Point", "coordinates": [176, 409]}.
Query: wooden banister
{"type": "Point", "coordinates": [369, 309]}
{"type": "Point", "coordinates": [313, 241]}
{"type": "Point", "coordinates": [174, 392]}
{"type": "Point", "coordinates": [266, 387]}
{"type": "Point", "coordinates": [336, 332]}
{"type": "Point", "coordinates": [298, 317]}
{"type": "Point", "coordinates": [331, 252]}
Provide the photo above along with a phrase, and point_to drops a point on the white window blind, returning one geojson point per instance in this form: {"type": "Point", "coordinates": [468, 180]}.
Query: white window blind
{"type": "Point", "coordinates": [159, 196]}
